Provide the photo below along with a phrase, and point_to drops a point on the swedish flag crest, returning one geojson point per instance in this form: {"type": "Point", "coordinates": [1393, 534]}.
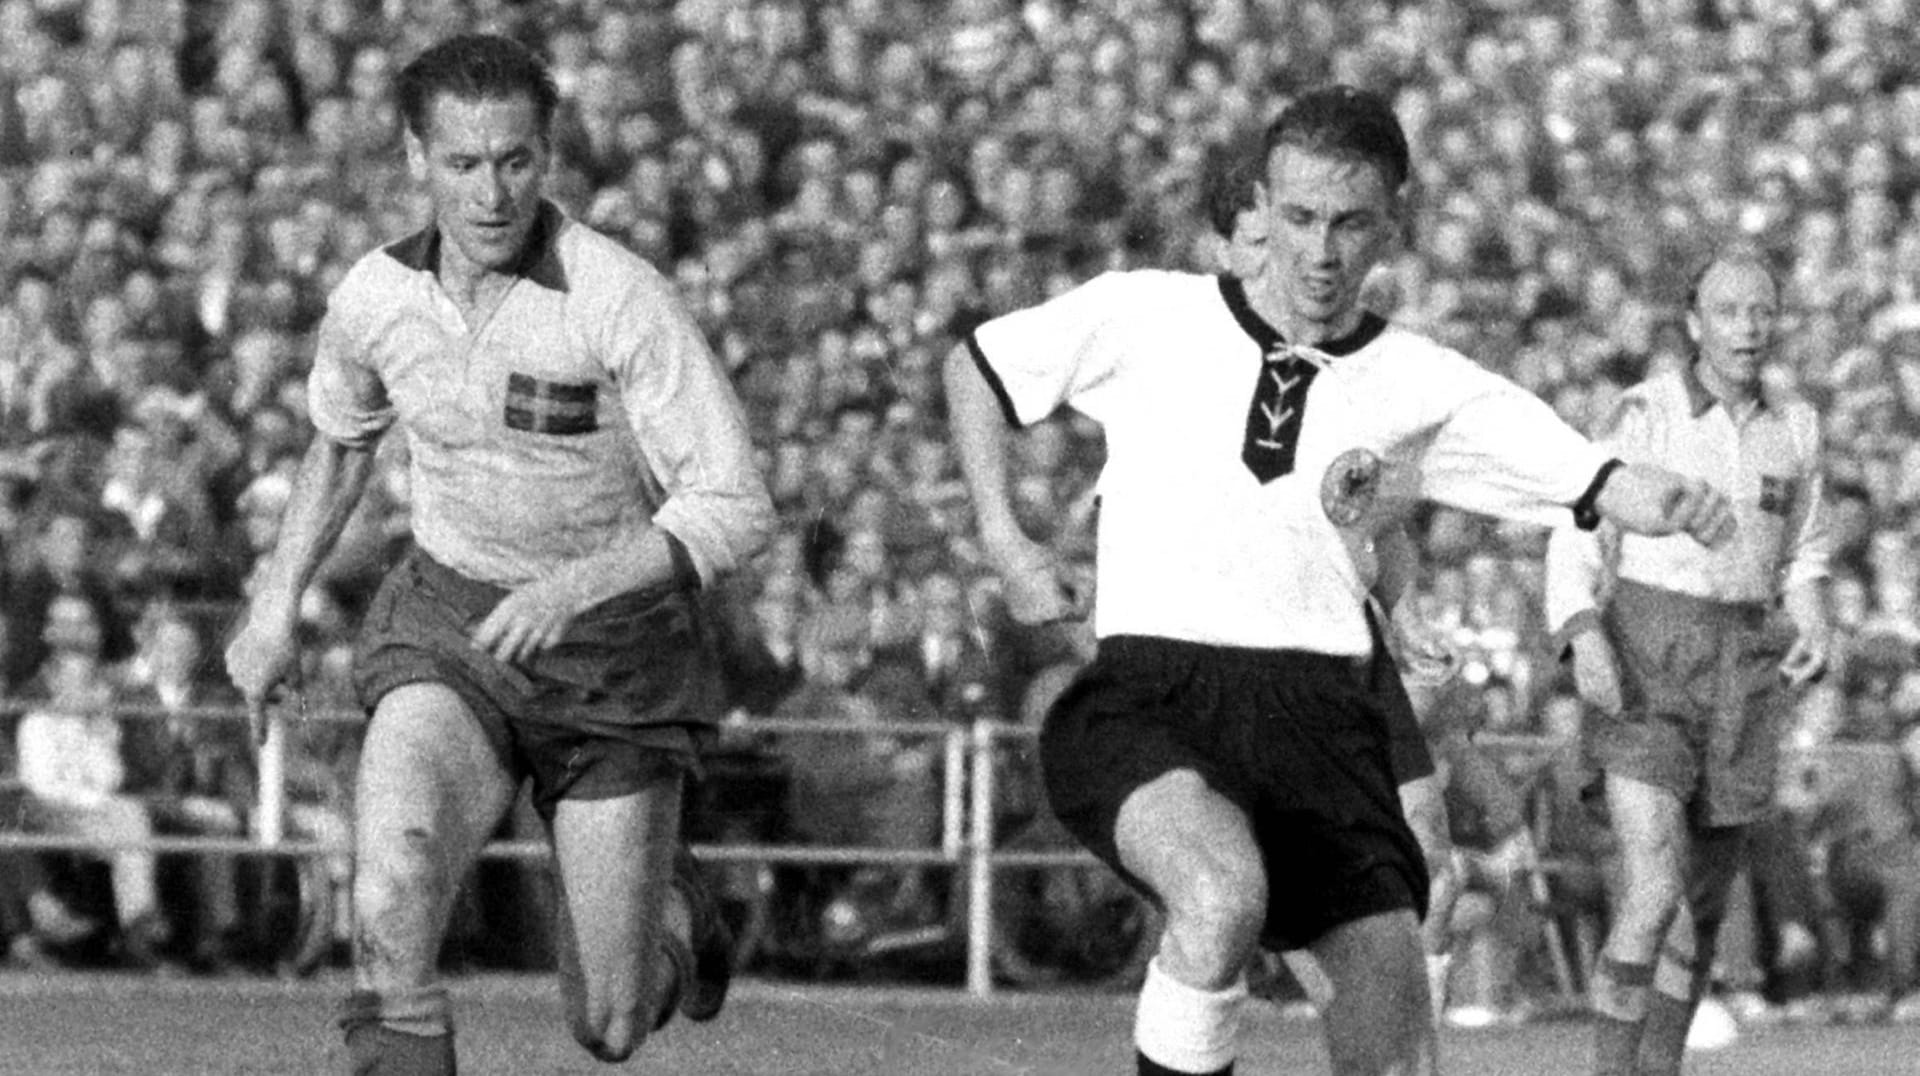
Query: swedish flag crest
{"type": "Point", "coordinates": [1776, 493]}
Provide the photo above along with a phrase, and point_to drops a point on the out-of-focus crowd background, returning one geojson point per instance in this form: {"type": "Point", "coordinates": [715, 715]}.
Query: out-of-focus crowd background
{"type": "Point", "coordinates": [839, 189]}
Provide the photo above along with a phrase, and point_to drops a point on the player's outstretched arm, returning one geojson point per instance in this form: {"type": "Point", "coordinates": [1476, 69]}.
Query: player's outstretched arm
{"type": "Point", "coordinates": [1036, 589]}
{"type": "Point", "coordinates": [1651, 500]}
{"type": "Point", "coordinates": [262, 653]}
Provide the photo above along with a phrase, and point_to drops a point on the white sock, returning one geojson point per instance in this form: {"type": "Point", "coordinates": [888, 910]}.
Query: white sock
{"type": "Point", "coordinates": [1186, 1028]}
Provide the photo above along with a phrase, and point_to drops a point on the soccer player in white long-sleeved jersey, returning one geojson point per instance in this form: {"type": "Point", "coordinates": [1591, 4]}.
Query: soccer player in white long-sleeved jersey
{"type": "Point", "coordinates": [1257, 435]}
{"type": "Point", "coordinates": [1689, 664]}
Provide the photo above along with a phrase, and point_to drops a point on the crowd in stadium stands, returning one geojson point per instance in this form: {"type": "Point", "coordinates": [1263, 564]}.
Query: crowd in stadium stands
{"type": "Point", "coordinates": [840, 189]}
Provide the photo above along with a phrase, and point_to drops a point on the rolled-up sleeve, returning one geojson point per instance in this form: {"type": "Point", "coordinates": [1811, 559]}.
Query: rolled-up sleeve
{"type": "Point", "coordinates": [690, 428]}
{"type": "Point", "coordinates": [345, 397]}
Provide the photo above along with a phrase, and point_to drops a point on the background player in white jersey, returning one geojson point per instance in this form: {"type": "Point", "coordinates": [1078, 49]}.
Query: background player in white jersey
{"type": "Point", "coordinates": [1227, 729]}
{"type": "Point", "coordinates": [1688, 665]}
{"type": "Point", "coordinates": [579, 466]}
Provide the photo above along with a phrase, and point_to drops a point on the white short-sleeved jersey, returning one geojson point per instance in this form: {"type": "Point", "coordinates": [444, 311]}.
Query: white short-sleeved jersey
{"type": "Point", "coordinates": [1192, 545]}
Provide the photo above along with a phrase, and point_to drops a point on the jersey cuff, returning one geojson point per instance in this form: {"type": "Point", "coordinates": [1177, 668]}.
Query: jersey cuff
{"type": "Point", "coordinates": [999, 387]}
{"type": "Point", "coordinates": [1585, 515]}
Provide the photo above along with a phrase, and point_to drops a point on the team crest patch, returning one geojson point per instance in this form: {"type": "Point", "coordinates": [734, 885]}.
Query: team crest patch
{"type": "Point", "coordinates": [552, 407]}
{"type": "Point", "coordinates": [1776, 494]}
{"type": "Point", "coordinates": [1350, 486]}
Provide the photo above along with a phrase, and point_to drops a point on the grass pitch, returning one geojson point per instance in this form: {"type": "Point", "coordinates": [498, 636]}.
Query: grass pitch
{"type": "Point", "coordinates": [109, 1025]}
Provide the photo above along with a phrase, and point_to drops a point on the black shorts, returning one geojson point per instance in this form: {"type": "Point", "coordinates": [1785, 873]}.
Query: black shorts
{"type": "Point", "coordinates": [1299, 741]}
{"type": "Point", "coordinates": [632, 687]}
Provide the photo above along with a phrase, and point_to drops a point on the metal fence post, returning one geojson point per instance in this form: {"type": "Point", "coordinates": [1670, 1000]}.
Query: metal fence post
{"type": "Point", "coordinates": [270, 814]}
{"type": "Point", "coordinates": [953, 821]}
{"type": "Point", "coordinates": [980, 865]}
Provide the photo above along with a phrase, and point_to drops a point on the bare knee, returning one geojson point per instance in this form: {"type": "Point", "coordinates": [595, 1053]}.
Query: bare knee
{"type": "Point", "coordinates": [1214, 918]}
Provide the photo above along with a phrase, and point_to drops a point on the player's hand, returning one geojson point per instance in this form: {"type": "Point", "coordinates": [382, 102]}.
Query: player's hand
{"type": "Point", "coordinates": [1655, 501]}
{"type": "Point", "coordinates": [1806, 660]}
{"type": "Point", "coordinates": [1596, 672]}
{"type": "Point", "coordinates": [532, 618]}
{"type": "Point", "coordinates": [260, 658]}
{"type": "Point", "coordinates": [1038, 589]}
{"type": "Point", "coordinates": [1701, 511]}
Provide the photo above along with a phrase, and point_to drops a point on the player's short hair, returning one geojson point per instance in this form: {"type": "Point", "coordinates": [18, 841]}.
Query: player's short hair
{"type": "Point", "coordinates": [1344, 121]}
{"type": "Point", "coordinates": [1229, 173]}
{"type": "Point", "coordinates": [1734, 255]}
{"type": "Point", "coordinates": [474, 67]}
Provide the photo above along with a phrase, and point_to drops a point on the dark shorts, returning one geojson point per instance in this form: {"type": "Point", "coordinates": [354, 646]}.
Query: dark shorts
{"type": "Point", "coordinates": [1299, 741]}
{"type": "Point", "coordinates": [1702, 702]}
{"type": "Point", "coordinates": [632, 687]}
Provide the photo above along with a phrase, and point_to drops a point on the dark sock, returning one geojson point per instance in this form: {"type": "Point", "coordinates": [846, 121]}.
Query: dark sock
{"type": "Point", "coordinates": [1150, 1067]}
{"type": "Point", "coordinates": [1663, 1044]}
{"type": "Point", "coordinates": [374, 1049]}
{"type": "Point", "coordinates": [1620, 1016]}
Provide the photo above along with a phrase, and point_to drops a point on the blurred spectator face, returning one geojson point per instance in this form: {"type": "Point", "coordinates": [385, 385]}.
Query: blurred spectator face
{"type": "Point", "coordinates": [788, 478]}
{"type": "Point", "coordinates": [866, 555]}
{"type": "Point", "coordinates": [853, 431]}
{"type": "Point", "coordinates": [60, 238]}
{"type": "Point", "coordinates": [1059, 195]}
{"type": "Point", "coordinates": [929, 462]}
{"type": "Point", "coordinates": [132, 459]}
{"type": "Point", "coordinates": [482, 162]}
{"type": "Point", "coordinates": [1732, 322]}
{"type": "Point", "coordinates": [270, 437]}
{"type": "Point", "coordinates": [1850, 604]}
{"type": "Point", "coordinates": [261, 506]}
{"type": "Point", "coordinates": [836, 478]}
{"type": "Point", "coordinates": [259, 361]}
{"type": "Point", "coordinates": [143, 296]}
{"type": "Point", "coordinates": [174, 651]}
{"type": "Point", "coordinates": [72, 627]}
{"type": "Point", "coordinates": [862, 194]}
{"type": "Point", "coordinates": [945, 206]}
{"type": "Point", "coordinates": [370, 78]}
{"type": "Point", "coordinates": [209, 124]}
{"type": "Point", "coordinates": [650, 181]}
{"type": "Point", "coordinates": [106, 323]}
{"type": "Point", "coordinates": [66, 548]}
{"type": "Point", "coordinates": [33, 303]}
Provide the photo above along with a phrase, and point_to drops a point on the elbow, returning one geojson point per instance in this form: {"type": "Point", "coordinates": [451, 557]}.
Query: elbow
{"type": "Point", "coordinates": [725, 532]}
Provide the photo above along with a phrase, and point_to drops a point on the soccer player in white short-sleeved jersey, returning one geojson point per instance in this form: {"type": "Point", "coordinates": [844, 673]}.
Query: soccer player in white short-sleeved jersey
{"type": "Point", "coordinates": [1225, 751]}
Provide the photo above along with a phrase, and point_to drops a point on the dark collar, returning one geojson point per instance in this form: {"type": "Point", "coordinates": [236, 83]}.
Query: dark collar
{"type": "Point", "coordinates": [539, 259]}
{"type": "Point", "coordinates": [1699, 400]}
{"type": "Point", "coordinates": [1234, 294]}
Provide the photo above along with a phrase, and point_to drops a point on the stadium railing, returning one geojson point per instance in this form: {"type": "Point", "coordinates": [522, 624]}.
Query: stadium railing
{"type": "Point", "coordinates": [968, 815]}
